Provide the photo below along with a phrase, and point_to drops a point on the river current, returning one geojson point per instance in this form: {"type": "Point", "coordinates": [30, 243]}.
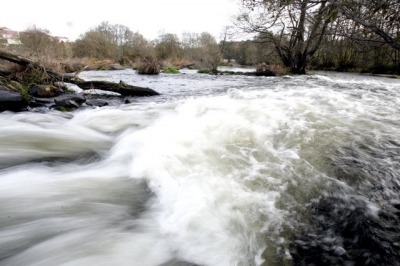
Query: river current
{"type": "Point", "coordinates": [216, 171]}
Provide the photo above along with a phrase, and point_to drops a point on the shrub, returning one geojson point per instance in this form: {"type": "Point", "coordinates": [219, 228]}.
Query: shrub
{"type": "Point", "coordinates": [149, 67]}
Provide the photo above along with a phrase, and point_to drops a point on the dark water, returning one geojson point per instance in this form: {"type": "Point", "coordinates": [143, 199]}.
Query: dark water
{"type": "Point", "coordinates": [218, 170]}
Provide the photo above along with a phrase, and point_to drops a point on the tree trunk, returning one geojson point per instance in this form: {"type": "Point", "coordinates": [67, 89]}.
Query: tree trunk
{"type": "Point", "coordinates": [121, 87]}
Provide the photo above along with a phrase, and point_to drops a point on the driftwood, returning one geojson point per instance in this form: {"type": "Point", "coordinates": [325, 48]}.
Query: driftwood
{"type": "Point", "coordinates": [52, 76]}
{"type": "Point", "coordinates": [121, 88]}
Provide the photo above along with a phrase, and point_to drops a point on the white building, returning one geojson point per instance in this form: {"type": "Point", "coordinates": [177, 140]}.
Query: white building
{"type": "Point", "coordinates": [11, 37]}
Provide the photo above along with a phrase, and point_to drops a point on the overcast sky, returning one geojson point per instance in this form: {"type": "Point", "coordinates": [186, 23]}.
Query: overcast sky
{"type": "Point", "coordinates": [70, 18]}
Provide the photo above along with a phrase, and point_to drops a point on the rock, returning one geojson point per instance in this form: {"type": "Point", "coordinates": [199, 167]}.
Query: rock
{"type": "Point", "coordinates": [78, 98]}
{"type": "Point", "coordinates": [97, 102]}
{"type": "Point", "coordinates": [339, 251]}
{"type": "Point", "coordinates": [70, 101]}
{"type": "Point", "coordinates": [41, 102]}
{"type": "Point", "coordinates": [116, 67]}
{"type": "Point", "coordinates": [44, 91]}
{"type": "Point", "coordinates": [12, 101]}
{"type": "Point", "coordinates": [263, 73]}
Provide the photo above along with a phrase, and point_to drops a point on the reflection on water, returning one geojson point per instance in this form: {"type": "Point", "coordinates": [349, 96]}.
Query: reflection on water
{"type": "Point", "coordinates": [218, 170]}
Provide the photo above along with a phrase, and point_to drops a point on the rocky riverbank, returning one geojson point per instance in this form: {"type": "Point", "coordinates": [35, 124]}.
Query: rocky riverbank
{"type": "Point", "coordinates": [30, 85]}
{"type": "Point", "coordinates": [15, 97]}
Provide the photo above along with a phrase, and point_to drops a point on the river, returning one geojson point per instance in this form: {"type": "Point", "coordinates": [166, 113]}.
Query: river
{"type": "Point", "coordinates": [216, 171]}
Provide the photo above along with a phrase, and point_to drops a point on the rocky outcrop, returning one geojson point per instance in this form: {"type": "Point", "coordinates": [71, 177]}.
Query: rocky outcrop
{"type": "Point", "coordinates": [12, 101]}
{"type": "Point", "coordinates": [46, 75]}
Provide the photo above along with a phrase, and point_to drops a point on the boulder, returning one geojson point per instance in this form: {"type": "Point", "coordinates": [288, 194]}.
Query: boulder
{"type": "Point", "coordinates": [41, 102]}
{"type": "Point", "coordinates": [70, 101]}
{"type": "Point", "coordinates": [12, 101]}
{"type": "Point", "coordinates": [97, 102]}
{"type": "Point", "coordinates": [44, 91]}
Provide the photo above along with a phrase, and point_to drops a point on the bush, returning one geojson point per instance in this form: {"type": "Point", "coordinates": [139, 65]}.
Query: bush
{"type": "Point", "coordinates": [149, 67]}
{"type": "Point", "coordinates": [171, 70]}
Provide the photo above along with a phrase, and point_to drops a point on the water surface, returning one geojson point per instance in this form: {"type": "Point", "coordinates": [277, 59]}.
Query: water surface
{"type": "Point", "coordinates": [217, 170]}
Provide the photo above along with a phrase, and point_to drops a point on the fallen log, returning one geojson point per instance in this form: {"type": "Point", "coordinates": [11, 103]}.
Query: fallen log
{"type": "Point", "coordinates": [121, 88]}
{"type": "Point", "coordinates": [51, 77]}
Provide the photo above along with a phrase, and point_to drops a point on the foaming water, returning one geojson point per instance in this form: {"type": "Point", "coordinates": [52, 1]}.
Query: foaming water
{"type": "Point", "coordinates": [219, 170]}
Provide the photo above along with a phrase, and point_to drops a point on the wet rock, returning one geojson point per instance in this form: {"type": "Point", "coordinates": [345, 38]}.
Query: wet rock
{"type": "Point", "coordinates": [263, 73]}
{"type": "Point", "coordinates": [78, 98]}
{"type": "Point", "coordinates": [97, 102]}
{"type": "Point", "coordinates": [44, 91]}
{"type": "Point", "coordinates": [41, 102]}
{"type": "Point", "coordinates": [69, 101]}
{"type": "Point", "coordinates": [12, 101]}
{"type": "Point", "coordinates": [339, 251]}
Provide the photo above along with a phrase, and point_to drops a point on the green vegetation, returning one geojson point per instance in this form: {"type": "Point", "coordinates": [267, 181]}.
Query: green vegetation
{"type": "Point", "coordinates": [16, 87]}
{"type": "Point", "coordinates": [22, 90]}
{"type": "Point", "coordinates": [171, 70]}
{"type": "Point", "coordinates": [204, 71]}
{"type": "Point", "coordinates": [69, 92]}
{"type": "Point", "coordinates": [228, 72]}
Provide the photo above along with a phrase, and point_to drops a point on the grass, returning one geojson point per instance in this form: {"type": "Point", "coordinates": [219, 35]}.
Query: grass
{"type": "Point", "coordinates": [171, 70]}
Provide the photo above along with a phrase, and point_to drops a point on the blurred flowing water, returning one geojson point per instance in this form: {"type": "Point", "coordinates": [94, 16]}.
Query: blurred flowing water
{"type": "Point", "coordinates": [218, 170]}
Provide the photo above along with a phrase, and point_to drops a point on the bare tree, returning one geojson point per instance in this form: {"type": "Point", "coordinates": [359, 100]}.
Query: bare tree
{"type": "Point", "coordinates": [296, 28]}
{"type": "Point", "coordinates": [38, 41]}
{"type": "Point", "coordinates": [381, 17]}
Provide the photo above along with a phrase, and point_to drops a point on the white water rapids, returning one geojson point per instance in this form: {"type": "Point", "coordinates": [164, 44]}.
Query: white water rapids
{"type": "Point", "coordinates": [218, 170]}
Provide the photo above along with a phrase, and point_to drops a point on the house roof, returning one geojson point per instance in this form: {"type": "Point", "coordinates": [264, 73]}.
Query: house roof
{"type": "Point", "coordinates": [7, 31]}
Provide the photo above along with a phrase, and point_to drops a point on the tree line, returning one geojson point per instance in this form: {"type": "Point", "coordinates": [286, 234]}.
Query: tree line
{"type": "Point", "coordinates": [120, 44]}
